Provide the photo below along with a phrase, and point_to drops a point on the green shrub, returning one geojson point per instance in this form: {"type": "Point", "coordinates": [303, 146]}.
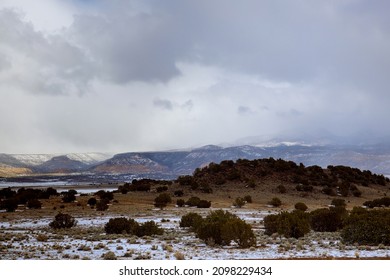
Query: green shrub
{"type": "Point", "coordinates": [344, 188]}
{"type": "Point", "coordinates": [63, 221]}
{"type": "Point", "coordinates": [233, 175]}
{"type": "Point", "coordinates": [337, 202]}
{"type": "Point", "coordinates": [327, 220]}
{"type": "Point", "coordinates": [271, 224]}
{"type": "Point", "coordinates": [193, 201]}
{"type": "Point", "coordinates": [369, 204]}
{"type": "Point", "coordinates": [34, 204]}
{"type": "Point", "coordinates": [7, 193]}
{"type": "Point", "coordinates": [239, 202]}
{"type": "Point", "coordinates": [102, 194]}
{"type": "Point", "coordinates": [294, 224]}
{"type": "Point", "coordinates": [204, 204]}
{"type": "Point", "coordinates": [367, 227]}
{"type": "Point", "coordinates": [355, 191]}
{"type": "Point", "coordinates": [130, 226]}
{"type": "Point", "coordinates": [192, 220]}
{"type": "Point", "coordinates": [180, 202]}
{"type": "Point", "coordinates": [210, 232]}
{"type": "Point", "coordinates": [238, 231]}
{"type": "Point", "coordinates": [9, 204]}
{"type": "Point", "coordinates": [92, 201]}
{"type": "Point", "coordinates": [276, 202]}
{"type": "Point", "coordinates": [384, 201]}
{"type": "Point", "coordinates": [121, 226]}
{"type": "Point", "coordinates": [124, 189]}
{"type": "Point", "coordinates": [68, 197]}
{"type": "Point", "coordinates": [379, 202]}
{"type": "Point", "coordinates": [206, 190]}
{"type": "Point", "coordinates": [149, 228]}
{"type": "Point", "coordinates": [248, 198]}
{"type": "Point", "coordinates": [102, 205]}
{"type": "Point", "coordinates": [222, 227]}
{"type": "Point", "coordinates": [301, 206]}
{"type": "Point", "coordinates": [289, 224]}
{"type": "Point", "coordinates": [178, 193]}
{"type": "Point", "coordinates": [162, 200]}
{"type": "Point", "coordinates": [142, 185]}
{"type": "Point", "coordinates": [329, 191]}
{"type": "Point", "coordinates": [186, 180]}
{"type": "Point", "coordinates": [24, 195]}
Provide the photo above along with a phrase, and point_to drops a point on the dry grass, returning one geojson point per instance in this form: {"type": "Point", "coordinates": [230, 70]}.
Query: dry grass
{"type": "Point", "coordinates": [80, 242]}
{"type": "Point", "coordinates": [135, 203]}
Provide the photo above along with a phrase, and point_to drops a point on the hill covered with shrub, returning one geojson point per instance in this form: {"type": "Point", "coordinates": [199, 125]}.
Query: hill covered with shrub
{"type": "Point", "coordinates": [333, 180]}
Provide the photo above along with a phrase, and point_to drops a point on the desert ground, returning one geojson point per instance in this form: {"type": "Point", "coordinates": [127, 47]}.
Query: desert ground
{"type": "Point", "coordinates": [25, 233]}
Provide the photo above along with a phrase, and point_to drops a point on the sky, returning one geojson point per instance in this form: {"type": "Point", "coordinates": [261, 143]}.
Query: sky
{"type": "Point", "coordinates": [124, 75]}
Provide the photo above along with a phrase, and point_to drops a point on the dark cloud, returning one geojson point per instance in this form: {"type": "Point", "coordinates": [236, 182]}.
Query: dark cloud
{"type": "Point", "coordinates": [280, 40]}
{"type": "Point", "coordinates": [334, 42]}
{"type": "Point", "coordinates": [244, 110]}
{"type": "Point", "coordinates": [128, 48]}
{"type": "Point", "coordinates": [163, 104]}
{"type": "Point", "coordinates": [188, 105]}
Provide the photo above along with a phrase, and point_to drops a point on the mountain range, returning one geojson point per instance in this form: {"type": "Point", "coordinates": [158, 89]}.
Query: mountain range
{"type": "Point", "coordinates": [375, 158]}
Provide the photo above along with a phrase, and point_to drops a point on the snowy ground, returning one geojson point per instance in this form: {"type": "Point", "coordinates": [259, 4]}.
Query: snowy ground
{"type": "Point", "coordinates": [33, 239]}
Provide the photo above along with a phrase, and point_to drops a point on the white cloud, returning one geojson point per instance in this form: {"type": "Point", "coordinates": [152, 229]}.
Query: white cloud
{"type": "Point", "coordinates": [44, 15]}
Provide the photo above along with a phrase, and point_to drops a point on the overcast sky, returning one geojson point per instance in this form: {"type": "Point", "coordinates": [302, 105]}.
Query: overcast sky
{"type": "Point", "coordinates": [117, 76]}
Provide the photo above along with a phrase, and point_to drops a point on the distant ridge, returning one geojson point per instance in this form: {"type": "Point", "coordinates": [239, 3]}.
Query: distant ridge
{"type": "Point", "coordinates": [375, 158]}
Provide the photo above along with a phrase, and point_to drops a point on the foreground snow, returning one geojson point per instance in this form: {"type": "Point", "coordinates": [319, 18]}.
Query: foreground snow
{"type": "Point", "coordinates": [33, 239]}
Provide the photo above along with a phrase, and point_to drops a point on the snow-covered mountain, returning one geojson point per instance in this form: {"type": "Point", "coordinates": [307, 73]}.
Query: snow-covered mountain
{"type": "Point", "coordinates": [37, 159]}
{"type": "Point", "coordinates": [129, 163]}
{"type": "Point", "coordinates": [27, 164]}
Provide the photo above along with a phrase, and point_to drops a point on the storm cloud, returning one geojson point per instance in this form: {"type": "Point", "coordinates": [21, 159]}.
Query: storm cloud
{"type": "Point", "coordinates": [147, 75]}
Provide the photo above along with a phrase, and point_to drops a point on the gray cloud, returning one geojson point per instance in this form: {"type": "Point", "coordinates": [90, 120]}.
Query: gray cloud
{"type": "Point", "coordinates": [333, 42]}
{"type": "Point", "coordinates": [163, 104]}
{"type": "Point", "coordinates": [4, 63]}
{"type": "Point", "coordinates": [188, 105]}
{"type": "Point", "coordinates": [244, 110]}
{"type": "Point", "coordinates": [128, 48]}
{"type": "Point", "coordinates": [280, 40]}
{"type": "Point", "coordinates": [306, 67]}
{"type": "Point", "coordinates": [38, 63]}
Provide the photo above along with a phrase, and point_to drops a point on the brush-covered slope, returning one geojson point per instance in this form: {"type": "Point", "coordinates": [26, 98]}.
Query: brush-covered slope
{"type": "Point", "coordinates": [333, 180]}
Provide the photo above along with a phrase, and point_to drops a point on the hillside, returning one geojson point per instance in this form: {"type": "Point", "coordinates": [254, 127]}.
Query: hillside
{"type": "Point", "coordinates": [175, 163]}
{"type": "Point", "coordinates": [11, 171]}
{"type": "Point", "coordinates": [129, 163]}
{"type": "Point", "coordinates": [265, 179]}
{"type": "Point", "coordinates": [60, 164]}
{"type": "Point", "coordinates": [341, 180]}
